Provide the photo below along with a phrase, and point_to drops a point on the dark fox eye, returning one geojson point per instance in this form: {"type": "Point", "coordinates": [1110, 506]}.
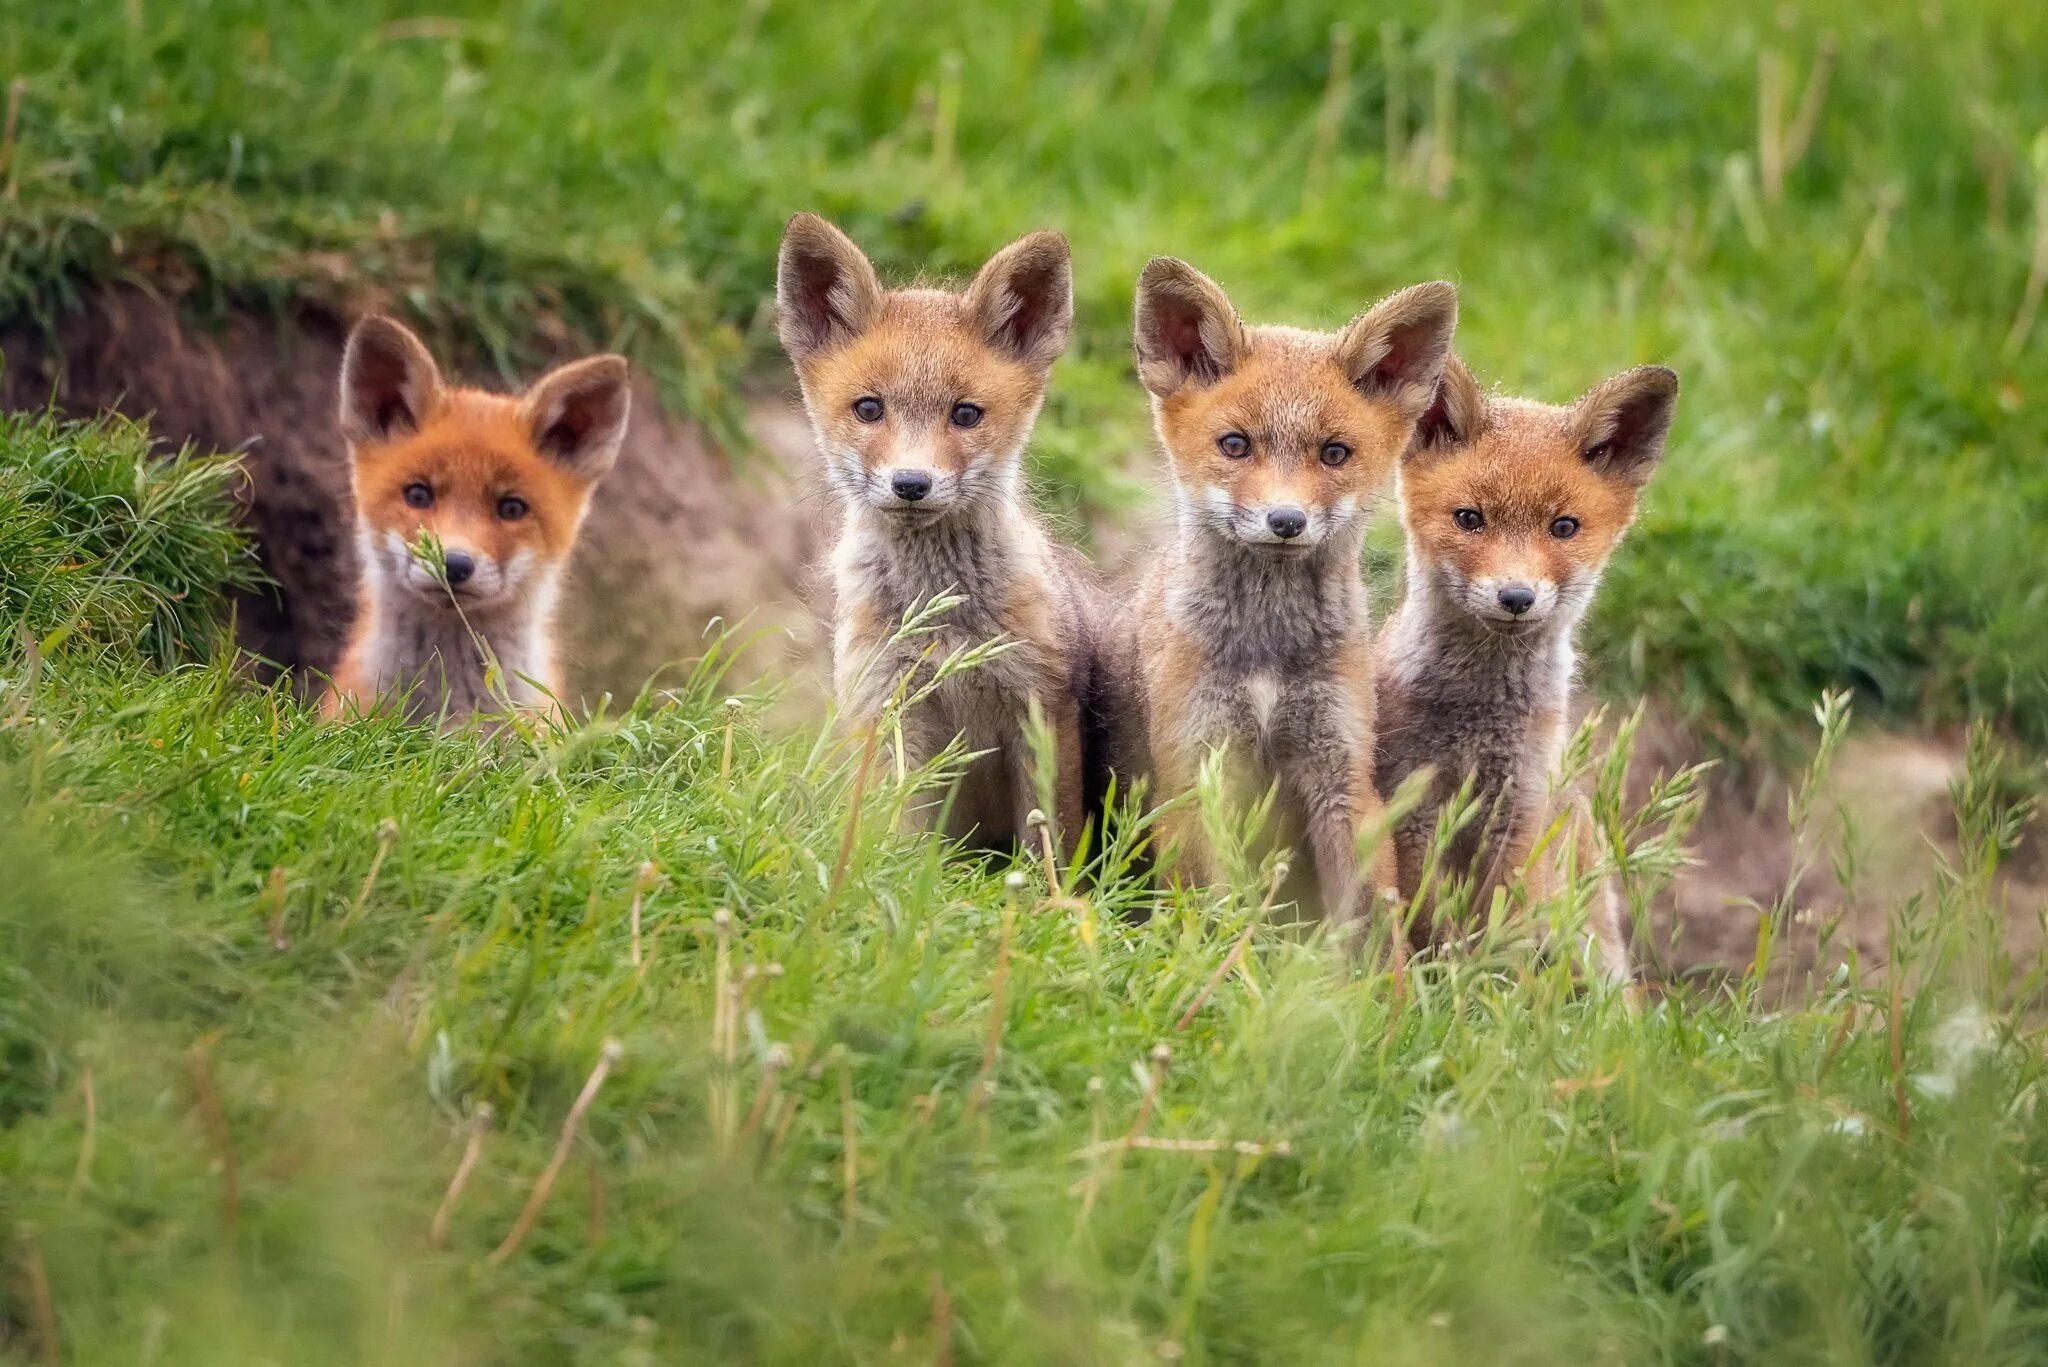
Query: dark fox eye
{"type": "Point", "coordinates": [1565, 528]}
{"type": "Point", "coordinates": [1469, 519]}
{"type": "Point", "coordinates": [1236, 445]}
{"type": "Point", "coordinates": [966, 414]}
{"type": "Point", "coordinates": [418, 496]}
{"type": "Point", "coordinates": [511, 508]}
{"type": "Point", "coordinates": [1335, 453]}
{"type": "Point", "coordinates": [868, 408]}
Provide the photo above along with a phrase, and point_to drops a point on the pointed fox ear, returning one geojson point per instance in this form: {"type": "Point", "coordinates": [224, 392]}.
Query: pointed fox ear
{"type": "Point", "coordinates": [826, 290]}
{"type": "Point", "coordinates": [1453, 414]}
{"type": "Point", "coordinates": [389, 382]}
{"type": "Point", "coordinates": [1622, 423]}
{"type": "Point", "coordinates": [577, 414]}
{"type": "Point", "coordinates": [1395, 350]}
{"type": "Point", "coordinates": [1023, 299]}
{"type": "Point", "coordinates": [1187, 330]}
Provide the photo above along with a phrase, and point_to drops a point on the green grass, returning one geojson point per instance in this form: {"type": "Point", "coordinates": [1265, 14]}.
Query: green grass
{"type": "Point", "coordinates": [1857, 451]}
{"type": "Point", "coordinates": [103, 535]}
{"type": "Point", "coordinates": [262, 976]}
{"type": "Point", "coordinates": [258, 977]}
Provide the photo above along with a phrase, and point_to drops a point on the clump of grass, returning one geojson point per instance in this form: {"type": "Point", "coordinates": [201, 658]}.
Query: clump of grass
{"type": "Point", "coordinates": [109, 542]}
{"type": "Point", "coordinates": [827, 1135]}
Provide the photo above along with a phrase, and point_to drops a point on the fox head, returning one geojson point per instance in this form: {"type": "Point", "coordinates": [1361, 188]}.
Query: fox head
{"type": "Point", "coordinates": [921, 399]}
{"type": "Point", "coordinates": [1279, 438]}
{"type": "Point", "coordinates": [1512, 508]}
{"type": "Point", "coordinates": [500, 482]}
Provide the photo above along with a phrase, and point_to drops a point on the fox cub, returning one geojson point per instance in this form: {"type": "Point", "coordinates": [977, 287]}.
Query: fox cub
{"type": "Point", "coordinates": [1252, 626]}
{"type": "Point", "coordinates": [921, 401]}
{"type": "Point", "coordinates": [1511, 509]}
{"type": "Point", "coordinates": [502, 484]}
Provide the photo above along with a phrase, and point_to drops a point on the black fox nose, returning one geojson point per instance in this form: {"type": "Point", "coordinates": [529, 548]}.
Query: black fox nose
{"type": "Point", "coordinates": [910, 485]}
{"type": "Point", "coordinates": [1518, 598]}
{"type": "Point", "coordinates": [460, 566]}
{"type": "Point", "coordinates": [1287, 523]}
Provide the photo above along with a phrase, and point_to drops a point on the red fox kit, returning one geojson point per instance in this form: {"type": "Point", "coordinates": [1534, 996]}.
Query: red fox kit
{"type": "Point", "coordinates": [1512, 509]}
{"type": "Point", "coordinates": [922, 400]}
{"type": "Point", "coordinates": [501, 483]}
{"type": "Point", "coordinates": [1252, 627]}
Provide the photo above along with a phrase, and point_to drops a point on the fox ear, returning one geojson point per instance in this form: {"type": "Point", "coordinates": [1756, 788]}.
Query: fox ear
{"type": "Point", "coordinates": [1453, 414]}
{"type": "Point", "coordinates": [826, 290]}
{"type": "Point", "coordinates": [1395, 350]}
{"type": "Point", "coordinates": [577, 414]}
{"type": "Point", "coordinates": [1187, 330]}
{"type": "Point", "coordinates": [1622, 423]}
{"type": "Point", "coordinates": [1023, 299]}
{"type": "Point", "coordinates": [389, 383]}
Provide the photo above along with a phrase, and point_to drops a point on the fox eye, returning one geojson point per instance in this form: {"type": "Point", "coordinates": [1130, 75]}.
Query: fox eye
{"type": "Point", "coordinates": [1565, 528]}
{"type": "Point", "coordinates": [1335, 453]}
{"type": "Point", "coordinates": [966, 414]}
{"type": "Point", "coordinates": [1469, 519]}
{"type": "Point", "coordinates": [867, 408]}
{"type": "Point", "coordinates": [1236, 445]}
{"type": "Point", "coordinates": [418, 495]}
{"type": "Point", "coordinates": [511, 508]}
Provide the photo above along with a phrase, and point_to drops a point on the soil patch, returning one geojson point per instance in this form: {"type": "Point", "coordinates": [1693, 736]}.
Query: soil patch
{"type": "Point", "coordinates": [679, 535]}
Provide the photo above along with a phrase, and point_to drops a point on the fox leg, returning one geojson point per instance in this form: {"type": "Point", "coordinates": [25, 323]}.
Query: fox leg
{"type": "Point", "coordinates": [1606, 918]}
{"type": "Point", "coordinates": [1066, 813]}
{"type": "Point", "coordinates": [1069, 783]}
{"type": "Point", "coordinates": [923, 732]}
{"type": "Point", "coordinates": [1330, 822]}
{"type": "Point", "coordinates": [1177, 831]}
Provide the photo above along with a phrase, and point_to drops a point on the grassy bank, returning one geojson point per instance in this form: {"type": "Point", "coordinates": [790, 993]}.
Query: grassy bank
{"type": "Point", "coordinates": [808, 1090]}
{"type": "Point", "coordinates": [1856, 455]}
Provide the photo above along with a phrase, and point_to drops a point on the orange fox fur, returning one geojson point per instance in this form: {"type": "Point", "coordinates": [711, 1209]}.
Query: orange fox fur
{"type": "Point", "coordinates": [1252, 628]}
{"type": "Point", "coordinates": [922, 401]}
{"type": "Point", "coordinates": [502, 483]}
{"type": "Point", "coordinates": [1512, 510]}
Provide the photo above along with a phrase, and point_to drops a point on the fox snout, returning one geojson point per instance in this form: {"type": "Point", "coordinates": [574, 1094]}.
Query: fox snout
{"type": "Point", "coordinates": [470, 575]}
{"type": "Point", "coordinates": [907, 482]}
{"type": "Point", "coordinates": [1286, 523]}
{"type": "Point", "coordinates": [1282, 524]}
{"type": "Point", "coordinates": [1511, 600]}
{"type": "Point", "coordinates": [912, 486]}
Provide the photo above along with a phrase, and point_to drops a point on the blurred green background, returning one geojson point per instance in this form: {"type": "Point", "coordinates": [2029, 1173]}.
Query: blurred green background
{"type": "Point", "coordinates": [1823, 215]}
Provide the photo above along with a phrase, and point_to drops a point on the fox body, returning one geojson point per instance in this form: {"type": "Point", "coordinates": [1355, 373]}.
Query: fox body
{"type": "Point", "coordinates": [922, 401]}
{"type": "Point", "coordinates": [1251, 628]}
{"type": "Point", "coordinates": [1511, 510]}
{"type": "Point", "coordinates": [501, 483]}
